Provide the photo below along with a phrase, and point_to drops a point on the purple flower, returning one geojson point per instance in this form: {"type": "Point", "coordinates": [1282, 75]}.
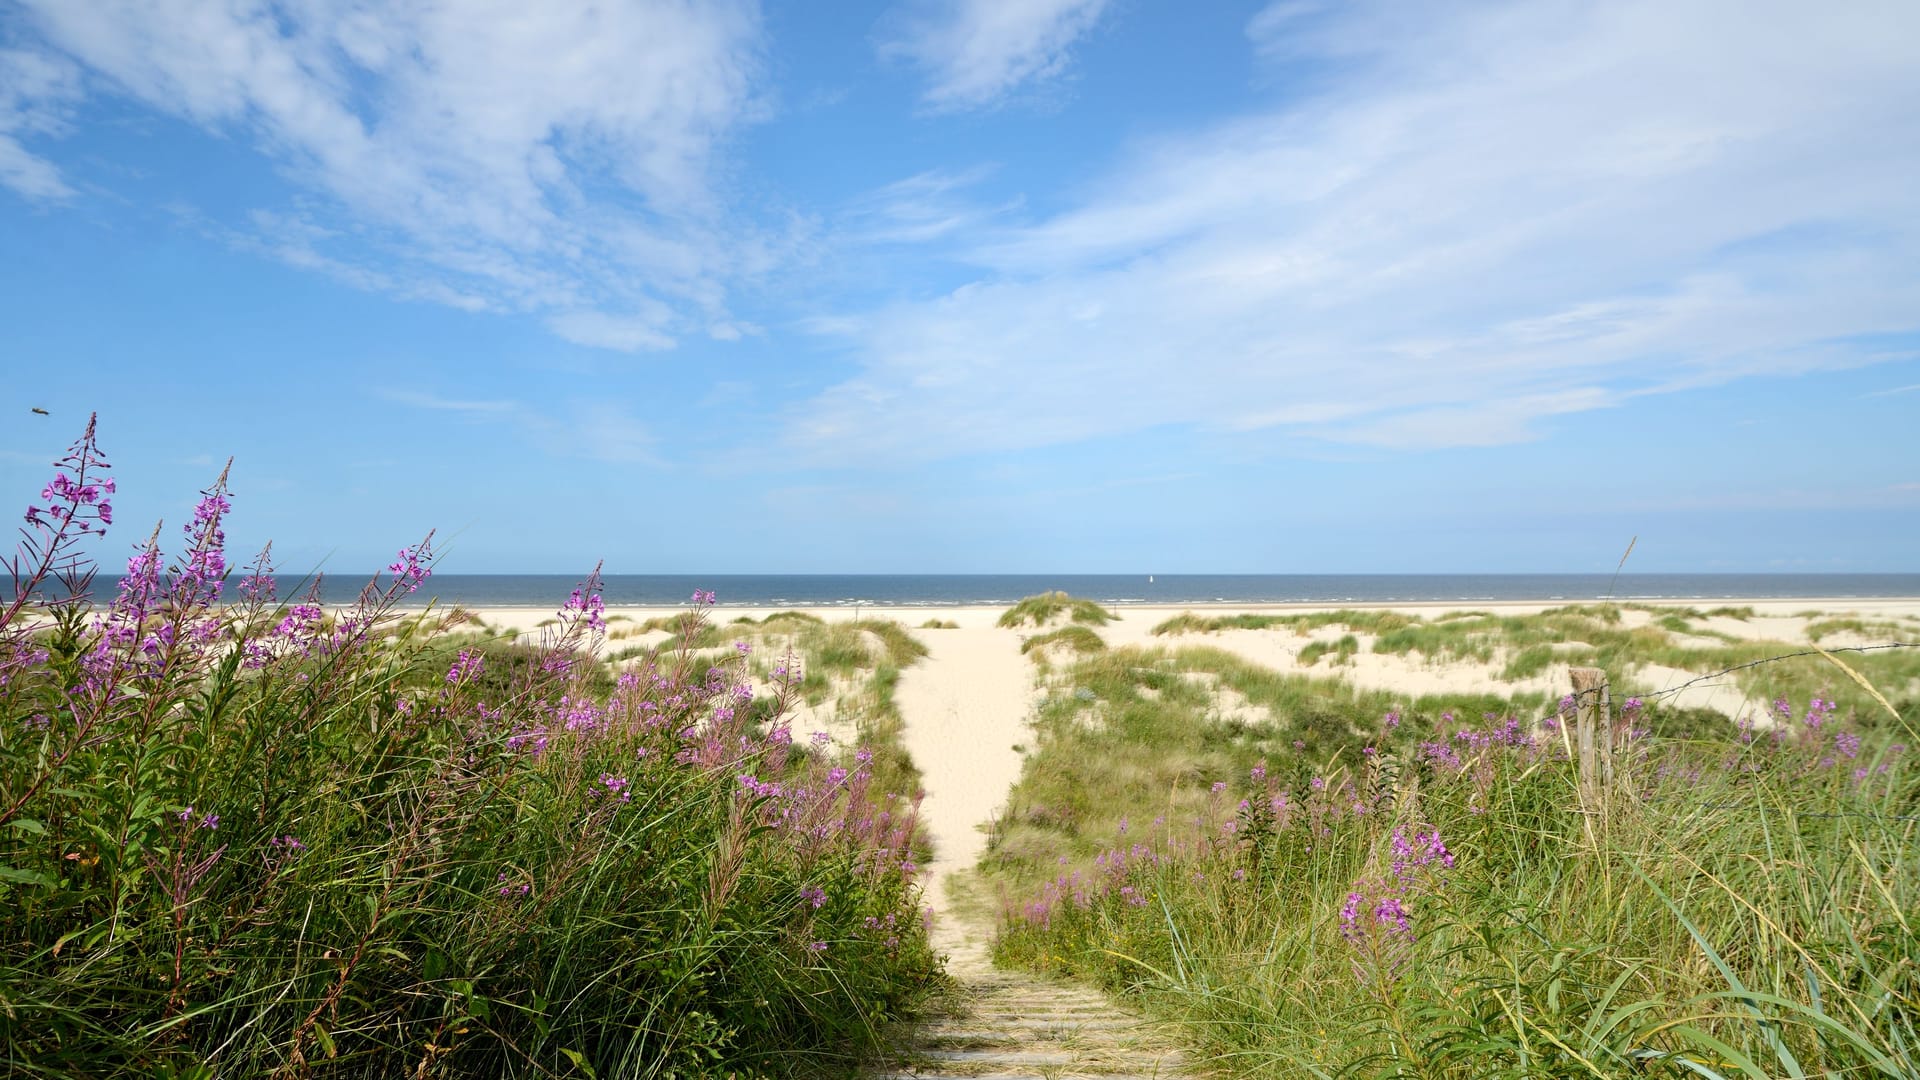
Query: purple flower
{"type": "Point", "coordinates": [412, 567]}
{"type": "Point", "coordinates": [585, 603]}
{"type": "Point", "coordinates": [1818, 712]}
{"type": "Point", "coordinates": [467, 666]}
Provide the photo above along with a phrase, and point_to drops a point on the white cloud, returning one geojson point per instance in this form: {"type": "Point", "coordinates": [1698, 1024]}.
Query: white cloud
{"type": "Point", "coordinates": [600, 330]}
{"type": "Point", "coordinates": [1480, 218]}
{"type": "Point", "coordinates": [472, 407]}
{"type": "Point", "coordinates": [932, 205]}
{"type": "Point", "coordinates": [604, 432]}
{"type": "Point", "coordinates": [596, 430]}
{"type": "Point", "coordinates": [35, 91]}
{"type": "Point", "coordinates": [547, 157]}
{"type": "Point", "coordinates": [976, 52]}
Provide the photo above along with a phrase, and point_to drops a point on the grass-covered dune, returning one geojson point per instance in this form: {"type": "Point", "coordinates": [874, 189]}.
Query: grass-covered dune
{"type": "Point", "coordinates": [257, 838]}
{"type": "Point", "coordinates": [1319, 881]}
{"type": "Point", "coordinates": [1042, 609]}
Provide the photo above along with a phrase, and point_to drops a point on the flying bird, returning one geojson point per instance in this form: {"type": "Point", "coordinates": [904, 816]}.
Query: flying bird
{"type": "Point", "coordinates": [41, 411]}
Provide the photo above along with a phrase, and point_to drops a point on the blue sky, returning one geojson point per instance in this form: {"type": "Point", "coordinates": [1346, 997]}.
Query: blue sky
{"type": "Point", "coordinates": [972, 286]}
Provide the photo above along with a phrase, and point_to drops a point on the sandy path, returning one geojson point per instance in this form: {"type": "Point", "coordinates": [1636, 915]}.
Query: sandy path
{"type": "Point", "coordinates": [965, 708]}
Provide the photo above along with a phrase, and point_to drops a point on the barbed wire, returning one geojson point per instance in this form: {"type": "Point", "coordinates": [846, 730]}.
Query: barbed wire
{"type": "Point", "coordinates": [1815, 813]}
{"type": "Point", "coordinates": [1775, 659]}
{"type": "Point", "coordinates": [1560, 714]}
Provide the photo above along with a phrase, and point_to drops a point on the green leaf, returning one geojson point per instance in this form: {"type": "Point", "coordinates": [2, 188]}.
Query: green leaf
{"type": "Point", "coordinates": [325, 1040]}
{"type": "Point", "coordinates": [1769, 1028]}
{"type": "Point", "coordinates": [580, 1060]}
{"type": "Point", "coordinates": [25, 877]}
{"type": "Point", "coordinates": [1727, 1054]}
{"type": "Point", "coordinates": [28, 825]}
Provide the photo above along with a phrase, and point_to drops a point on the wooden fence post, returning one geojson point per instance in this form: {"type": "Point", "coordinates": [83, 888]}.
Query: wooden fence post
{"type": "Point", "coordinates": [1594, 732]}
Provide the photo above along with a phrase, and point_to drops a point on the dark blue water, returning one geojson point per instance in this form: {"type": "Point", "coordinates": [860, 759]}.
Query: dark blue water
{"type": "Point", "coordinates": [906, 590]}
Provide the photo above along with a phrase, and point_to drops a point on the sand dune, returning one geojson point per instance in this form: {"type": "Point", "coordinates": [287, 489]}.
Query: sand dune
{"type": "Point", "coordinates": [967, 704]}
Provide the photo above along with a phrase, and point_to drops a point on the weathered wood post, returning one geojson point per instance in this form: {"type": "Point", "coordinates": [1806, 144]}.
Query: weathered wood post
{"type": "Point", "coordinates": [1594, 733]}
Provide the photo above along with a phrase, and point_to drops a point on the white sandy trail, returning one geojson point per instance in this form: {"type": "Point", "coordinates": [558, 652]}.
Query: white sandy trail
{"type": "Point", "coordinates": [965, 708]}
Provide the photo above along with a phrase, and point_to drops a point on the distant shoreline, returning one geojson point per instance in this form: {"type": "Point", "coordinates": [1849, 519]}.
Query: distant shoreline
{"type": "Point", "coordinates": [1503, 604]}
{"type": "Point", "coordinates": [914, 592]}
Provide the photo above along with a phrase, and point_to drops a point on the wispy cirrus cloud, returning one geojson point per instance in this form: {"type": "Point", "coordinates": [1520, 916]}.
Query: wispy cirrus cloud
{"type": "Point", "coordinates": [1481, 217]}
{"type": "Point", "coordinates": [977, 52]}
{"type": "Point", "coordinates": [553, 158]}
{"type": "Point", "coordinates": [436, 403]}
{"type": "Point", "coordinates": [928, 206]}
{"type": "Point", "coordinates": [594, 430]}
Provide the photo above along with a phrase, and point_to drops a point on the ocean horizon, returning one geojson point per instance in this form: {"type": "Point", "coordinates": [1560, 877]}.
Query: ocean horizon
{"type": "Point", "coordinates": [958, 590]}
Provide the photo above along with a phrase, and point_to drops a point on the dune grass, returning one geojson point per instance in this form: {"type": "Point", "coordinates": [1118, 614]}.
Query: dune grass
{"type": "Point", "coordinates": [1305, 622]}
{"type": "Point", "coordinates": [1342, 649]}
{"type": "Point", "coordinates": [1597, 635]}
{"type": "Point", "coordinates": [1133, 734]}
{"type": "Point", "coordinates": [1042, 609]}
{"type": "Point", "coordinates": [264, 839]}
{"type": "Point", "coordinates": [1738, 906]}
{"type": "Point", "coordinates": [1075, 639]}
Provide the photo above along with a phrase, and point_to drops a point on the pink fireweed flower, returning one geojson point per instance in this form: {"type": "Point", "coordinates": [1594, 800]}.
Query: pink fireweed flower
{"type": "Point", "coordinates": [1424, 850]}
{"type": "Point", "coordinates": [300, 622]}
{"type": "Point", "coordinates": [616, 785]}
{"type": "Point", "coordinates": [585, 603]}
{"type": "Point", "coordinates": [467, 666]}
{"type": "Point", "coordinates": [412, 566]}
{"type": "Point", "coordinates": [1818, 712]}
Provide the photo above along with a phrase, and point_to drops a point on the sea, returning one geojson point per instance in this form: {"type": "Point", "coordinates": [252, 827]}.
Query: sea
{"type": "Point", "coordinates": [956, 590]}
